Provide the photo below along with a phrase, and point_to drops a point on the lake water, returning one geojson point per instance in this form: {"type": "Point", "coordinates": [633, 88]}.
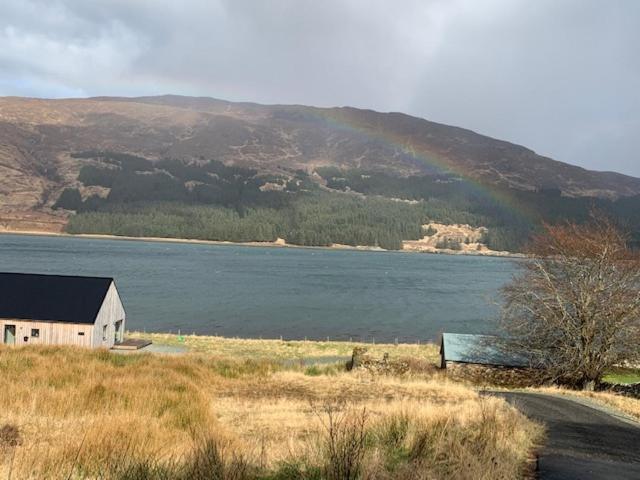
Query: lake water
{"type": "Point", "coordinates": [271, 292]}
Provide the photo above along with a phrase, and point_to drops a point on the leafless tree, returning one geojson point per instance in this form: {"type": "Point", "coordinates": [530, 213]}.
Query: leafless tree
{"type": "Point", "coordinates": [575, 306]}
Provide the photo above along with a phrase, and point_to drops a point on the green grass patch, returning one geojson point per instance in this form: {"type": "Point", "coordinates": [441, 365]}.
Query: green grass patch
{"type": "Point", "coordinates": [121, 359]}
{"type": "Point", "coordinates": [623, 376]}
{"type": "Point", "coordinates": [331, 369]}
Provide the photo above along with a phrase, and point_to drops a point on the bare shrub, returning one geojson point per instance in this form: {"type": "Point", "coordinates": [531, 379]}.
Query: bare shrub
{"type": "Point", "coordinates": [344, 440]}
{"type": "Point", "coordinates": [209, 461]}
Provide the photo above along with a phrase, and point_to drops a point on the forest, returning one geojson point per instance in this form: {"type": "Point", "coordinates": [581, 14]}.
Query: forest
{"type": "Point", "coordinates": [209, 200]}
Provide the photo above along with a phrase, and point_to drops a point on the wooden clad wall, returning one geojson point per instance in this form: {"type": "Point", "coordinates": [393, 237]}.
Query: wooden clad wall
{"type": "Point", "coordinates": [110, 312]}
{"type": "Point", "coordinates": [79, 334]}
{"type": "Point", "coordinates": [51, 333]}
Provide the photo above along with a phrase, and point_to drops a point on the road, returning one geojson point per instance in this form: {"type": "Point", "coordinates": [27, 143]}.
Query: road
{"type": "Point", "coordinates": [582, 443]}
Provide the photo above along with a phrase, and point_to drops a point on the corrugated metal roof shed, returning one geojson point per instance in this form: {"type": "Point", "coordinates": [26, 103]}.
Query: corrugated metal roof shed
{"type": "Point", "coordinates": [479, 349]}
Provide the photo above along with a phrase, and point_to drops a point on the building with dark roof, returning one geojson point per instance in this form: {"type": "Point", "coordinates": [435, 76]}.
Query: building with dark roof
{"type": "Point", "coordinates": [459, 348]}
{"type": "Point", "coordinates": [60, 310]}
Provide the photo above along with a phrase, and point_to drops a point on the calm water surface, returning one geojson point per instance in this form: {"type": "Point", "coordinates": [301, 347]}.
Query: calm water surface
{"type": "Point", "coordinates": [271, 292]}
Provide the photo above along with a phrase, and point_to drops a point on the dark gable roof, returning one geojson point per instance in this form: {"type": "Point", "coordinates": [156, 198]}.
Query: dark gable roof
{"type": "Point", "coordinates": [482, 350]}
{"type": "Point", "coordinates": [54, 298]}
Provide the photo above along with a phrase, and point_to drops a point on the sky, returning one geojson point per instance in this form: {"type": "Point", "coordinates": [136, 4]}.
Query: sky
{"type": "Point", "coordinates": [561, 77]}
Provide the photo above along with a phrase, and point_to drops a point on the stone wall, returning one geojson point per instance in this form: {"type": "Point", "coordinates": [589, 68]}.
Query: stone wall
{"type": "Point", "coordinates": [362, 360]}
{"type": "Point", "coordinates": [630, 390]}
{"type": "Point", "coordinates": [492, 375]}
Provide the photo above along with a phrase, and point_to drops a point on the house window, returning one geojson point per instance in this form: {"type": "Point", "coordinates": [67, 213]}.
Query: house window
{"type": "Point", "coordinates": [35, 332]}
{"type": "Point", "coordinates": [104, 333]}
{"type": "Point", "coordinates": [81, 334]}
{"type": "Point", "coordinates": [26, 339]}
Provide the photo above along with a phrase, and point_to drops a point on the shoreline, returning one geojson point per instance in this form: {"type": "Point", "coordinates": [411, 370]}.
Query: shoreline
{"type": "Point", "coordinates": [275, 244]}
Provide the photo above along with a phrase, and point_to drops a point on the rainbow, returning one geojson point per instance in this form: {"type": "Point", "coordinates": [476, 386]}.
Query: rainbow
{"type": "Point", "coordinates": [344, 119]}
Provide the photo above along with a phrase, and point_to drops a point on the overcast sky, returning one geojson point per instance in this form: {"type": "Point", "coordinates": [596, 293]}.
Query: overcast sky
{"type": "Point", "coordinates": [559, 76]}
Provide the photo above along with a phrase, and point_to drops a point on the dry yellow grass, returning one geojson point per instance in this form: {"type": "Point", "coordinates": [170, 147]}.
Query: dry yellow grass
{"type": "Point", "coordinates": [287, 349]}
{"type": "Point", "coordinates": [77, 411]}
{"type": "Point", "coordinates": [627, 405]}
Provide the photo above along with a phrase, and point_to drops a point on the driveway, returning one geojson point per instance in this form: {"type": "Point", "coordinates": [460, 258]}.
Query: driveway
{"type": "Point", "coordinates": [582, 443]}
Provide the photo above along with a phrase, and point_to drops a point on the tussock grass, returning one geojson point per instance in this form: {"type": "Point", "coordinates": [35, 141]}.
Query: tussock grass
{"type": "Point", "coordinates": [277, 350]}
{"type": "Point", "coordinates": [76, 413]}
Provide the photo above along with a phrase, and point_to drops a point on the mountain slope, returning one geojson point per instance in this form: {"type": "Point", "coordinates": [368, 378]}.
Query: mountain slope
{"type": "Point", "coordinates": [38, 136]}
{"type": "Point", "coordinates": [353, 137]}
{"type": "Point", "coordinates": [170, 165]}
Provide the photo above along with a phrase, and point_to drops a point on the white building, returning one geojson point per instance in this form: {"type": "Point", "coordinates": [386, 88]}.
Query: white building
{"type": "Point", "coordinates": [60, 310]}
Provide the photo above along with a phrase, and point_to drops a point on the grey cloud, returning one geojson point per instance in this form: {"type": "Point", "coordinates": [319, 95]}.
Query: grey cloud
{"type": "Point", "coordinates": [559, 77]}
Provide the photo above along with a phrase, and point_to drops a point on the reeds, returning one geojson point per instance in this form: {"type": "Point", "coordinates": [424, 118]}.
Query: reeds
{"type": "Point", "coordinates": [72, 413]}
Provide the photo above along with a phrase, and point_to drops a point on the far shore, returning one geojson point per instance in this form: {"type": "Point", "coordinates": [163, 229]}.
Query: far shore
{"type": "Point", "coordinates": [276, 244]}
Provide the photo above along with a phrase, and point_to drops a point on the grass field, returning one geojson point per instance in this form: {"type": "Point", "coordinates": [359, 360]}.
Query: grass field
{"type": "Point", "coordinates": [290, 350]}
{"type": "Point", "coordinates": [242, 413]}
{"type": "Point", "coordinates": [302, 353]}
{"type": "Point", "coordinates": [623, 376]}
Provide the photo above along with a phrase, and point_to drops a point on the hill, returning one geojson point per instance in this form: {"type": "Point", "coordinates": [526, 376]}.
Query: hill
{"type": "Point", "coordinates": [118, 156]}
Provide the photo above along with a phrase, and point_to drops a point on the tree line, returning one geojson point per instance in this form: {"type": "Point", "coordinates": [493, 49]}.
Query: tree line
{"type": "Point", "coordinates": [314, 219]}
{"type": "Point", "coordinates": [210, 200]}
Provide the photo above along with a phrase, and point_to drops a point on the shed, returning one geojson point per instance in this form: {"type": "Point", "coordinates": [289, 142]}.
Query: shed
{"type": "Point", "coordinates": [459, 348]}
{"type": "Point", "coordinates": [60, 310]}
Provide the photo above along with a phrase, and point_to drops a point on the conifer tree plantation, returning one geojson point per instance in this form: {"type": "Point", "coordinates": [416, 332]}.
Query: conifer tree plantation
{"type": "Point", "coordinates": [208, 200]}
